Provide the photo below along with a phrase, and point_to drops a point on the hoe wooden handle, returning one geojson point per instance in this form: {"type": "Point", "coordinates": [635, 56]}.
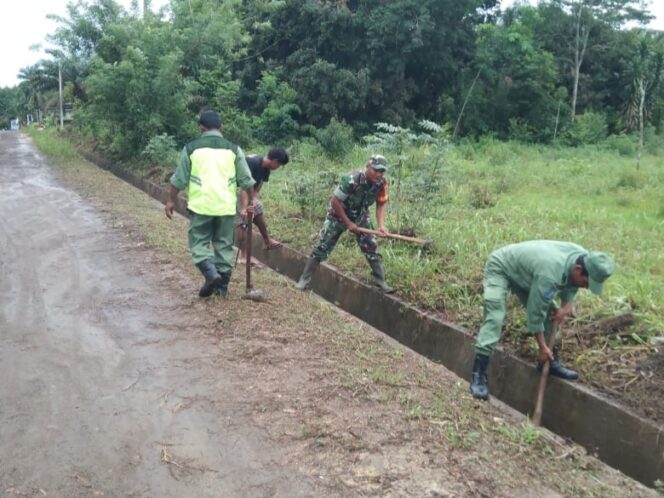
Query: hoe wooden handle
{"type": "Point", "coordinates": [250, 222]}
{"type": "Point", "coordinates": [396, 236]}
{"type": "Point", "coordinates": [539, 403]}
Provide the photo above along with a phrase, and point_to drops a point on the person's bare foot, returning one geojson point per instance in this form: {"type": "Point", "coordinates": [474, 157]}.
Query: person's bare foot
{"type": "Point", "coordinates": [273, 244]}
{"type": "Point", "coordinates": [254, 263]}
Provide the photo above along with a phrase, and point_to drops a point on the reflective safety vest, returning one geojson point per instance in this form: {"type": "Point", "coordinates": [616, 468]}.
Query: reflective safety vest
{"type": "Point", "coordinates": [212, 182]}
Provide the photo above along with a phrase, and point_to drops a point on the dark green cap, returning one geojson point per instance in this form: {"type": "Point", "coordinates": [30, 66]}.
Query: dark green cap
{"type": "Point", "coordinates": [599, 267]}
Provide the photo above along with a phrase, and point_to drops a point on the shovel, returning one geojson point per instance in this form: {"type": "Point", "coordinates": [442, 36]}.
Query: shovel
{"type": "Point", "coordinates": [539, 403]}
{"type": "Point", "coordinates": [251, 293]}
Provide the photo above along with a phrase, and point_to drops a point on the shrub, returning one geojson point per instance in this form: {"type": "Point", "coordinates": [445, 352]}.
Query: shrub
{"type": "Point", "coordinates": [631, 179]}
{"type": "Point", "coordinates": [277, 122]}
{"type": "Point", "coordinates": [521, 131]}
{"type": "Point", "coordinates": [481, 196]}
{"type": "Point", "coordinates": [623, 144]}
{"type": "Point", "coordinates": [311, 191]}
{"type": "Point", "coordinates": [336, 138]}
{"type": "Point", "coordinates": [653, 142]}
{"type": "Point", "coordinates": [161, 149]}
{"type": "Point", "coordinates": [588, 128]}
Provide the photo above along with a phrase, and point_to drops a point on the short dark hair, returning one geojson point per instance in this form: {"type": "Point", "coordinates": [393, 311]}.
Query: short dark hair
{"type": "Point", "coordinates": [279, 155]}
{"type": "Point", "coordinates": [581, 262]}
{"type": "Point", "coordinates": [210, 120]}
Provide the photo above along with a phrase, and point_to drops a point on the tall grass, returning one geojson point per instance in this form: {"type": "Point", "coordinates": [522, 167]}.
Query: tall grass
{"type": "Point", "coordinates": [498, 193]}
{"type": "Point", "coordinates": [51, 144]}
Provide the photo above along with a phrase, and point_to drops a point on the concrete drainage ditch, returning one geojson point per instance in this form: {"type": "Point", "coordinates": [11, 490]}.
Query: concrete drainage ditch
{"type": "Point", "coordinates": [617, 436]}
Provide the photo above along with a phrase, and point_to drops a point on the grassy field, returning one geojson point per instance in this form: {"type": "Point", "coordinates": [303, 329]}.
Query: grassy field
{"type": "Point", "coordinates": [498, 193]}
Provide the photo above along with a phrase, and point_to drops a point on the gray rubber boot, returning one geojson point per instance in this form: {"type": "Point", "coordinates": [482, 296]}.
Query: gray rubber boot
{"type": "Point", "coordinates": [212, 277]}
{"type": "Point", "coordinates": [305, 278]}
{"type": "Point", "coordinates": [478, 379]}
{"type": "Point", "coordinates": [378, 272]}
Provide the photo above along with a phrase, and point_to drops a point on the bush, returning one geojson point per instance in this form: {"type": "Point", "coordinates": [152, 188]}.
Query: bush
{"type": "Point", "coordinates": [161, 149]}
{"type": "Point", "coordinates": [336, 138]}
{"type": "Point", "coordinates": [312, 190]}
{"type": "Point", "coordinates": [521, 131]}
{"type": "Point", "coordinates": [632, 180]}
{"type": "Point", "coordinates": [623, 144]}
{"type": "Point", "coordinates": [481, 196]}
{"type": "Point", "coordinates": [653, 142]}
{"type": "Point", "coordinates": [277, 122]}
{"type": "Point", "coordinates": [588, 128]}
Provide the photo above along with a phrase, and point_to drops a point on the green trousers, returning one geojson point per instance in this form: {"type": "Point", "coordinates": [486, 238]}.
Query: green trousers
{"type": "Point", "coordinates": [216, 230]}
{"type": "Point", "coordinates": [496, 288]}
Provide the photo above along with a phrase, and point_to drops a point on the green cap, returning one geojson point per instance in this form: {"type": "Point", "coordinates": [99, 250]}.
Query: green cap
{"type": "Point", "coordinates": [378, 162]}
{"type": "Point", "coordinates": [599, 267]}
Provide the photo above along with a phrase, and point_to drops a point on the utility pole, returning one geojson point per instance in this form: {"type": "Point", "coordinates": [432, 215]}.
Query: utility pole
{"type": "Point", "coordinates": [62, 125]}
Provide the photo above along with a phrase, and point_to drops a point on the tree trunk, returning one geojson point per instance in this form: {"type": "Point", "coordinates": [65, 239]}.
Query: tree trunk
{"type": "Point", "coordinates": [642, 100]}
{"type": "Point", "coordinates": [580, 44]}
{"type": "Point", "coordinates": [465, 101]}
{"type": "Point", "coordinates": [555, 130]}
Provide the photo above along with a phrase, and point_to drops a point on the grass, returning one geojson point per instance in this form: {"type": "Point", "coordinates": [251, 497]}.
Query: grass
{"type": "Point", "coordinates": [500, 193]}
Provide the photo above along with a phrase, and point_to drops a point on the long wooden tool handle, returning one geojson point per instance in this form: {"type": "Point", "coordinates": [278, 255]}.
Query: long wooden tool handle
{"type": "Point", "coordinates": [250, 222]}
{"type": "Point", "coordinates": [394, 236]}
{"type": "Point", "coordinates": [539, 403]}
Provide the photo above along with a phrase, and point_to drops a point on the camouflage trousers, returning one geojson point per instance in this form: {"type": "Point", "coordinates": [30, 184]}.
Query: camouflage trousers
{"type": "Point", "coordinates": [332, 230]}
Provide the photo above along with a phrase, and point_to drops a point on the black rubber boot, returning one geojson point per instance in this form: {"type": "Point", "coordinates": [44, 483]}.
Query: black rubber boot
{"type": "Point", "coordinates": [305, 278]}
{"type": "Point", "coordinates": [478, 379]}
{"type": "Point", "coordinates": [378, 273]}
{"type": "Point", "coordinates": [212, 277]}
{"type": "Point", "coordinates": [222, 288]}
{"type": "Point", "coordinates": [558, 370]}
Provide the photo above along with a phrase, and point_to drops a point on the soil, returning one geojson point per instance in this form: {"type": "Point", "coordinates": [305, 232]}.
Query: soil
{"type": "Point", "coordinates": [120, 381]}
{"type": "Point", "coordinates": [613, 359]}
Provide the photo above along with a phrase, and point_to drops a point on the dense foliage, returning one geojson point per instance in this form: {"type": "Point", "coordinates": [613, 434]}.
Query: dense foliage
{"type": "Point", "coordinates": [279, 70]}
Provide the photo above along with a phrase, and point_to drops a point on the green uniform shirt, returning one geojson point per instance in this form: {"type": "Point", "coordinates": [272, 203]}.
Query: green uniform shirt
{"type": "Point", "coordinates": [182, 176]}
{"type": "Point", "coordinates": [541, 269]}
{"type": "Point", "coordinates": [357, 194]}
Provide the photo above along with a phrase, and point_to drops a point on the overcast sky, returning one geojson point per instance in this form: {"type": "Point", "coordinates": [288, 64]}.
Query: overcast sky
{"type": "Point", "coordinates": [24, 24]}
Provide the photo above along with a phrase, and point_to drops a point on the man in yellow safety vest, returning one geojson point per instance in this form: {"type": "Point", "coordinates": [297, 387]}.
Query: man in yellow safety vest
{"type": "Point", "coordinates": [212, 168]}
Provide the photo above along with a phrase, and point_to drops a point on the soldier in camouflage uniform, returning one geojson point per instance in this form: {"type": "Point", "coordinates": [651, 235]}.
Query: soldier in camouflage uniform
{"type": "Point", "coordinates": [349, 209]}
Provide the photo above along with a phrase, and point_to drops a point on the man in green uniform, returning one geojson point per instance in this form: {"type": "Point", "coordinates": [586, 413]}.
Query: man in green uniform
{"type": "Point", "coordinates": [212, 168]}
{"type": "Point", "coordinates": [349, 209]}
{"type": "Point", "coordinates": [536, 271]}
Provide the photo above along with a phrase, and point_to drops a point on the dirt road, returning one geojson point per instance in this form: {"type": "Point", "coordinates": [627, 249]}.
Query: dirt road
{"type": "Point", "coordinates": [103, 392]}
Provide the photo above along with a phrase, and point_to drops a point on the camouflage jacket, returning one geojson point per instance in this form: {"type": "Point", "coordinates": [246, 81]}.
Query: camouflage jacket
{"type": "Point", "coordinates": [357, 194]}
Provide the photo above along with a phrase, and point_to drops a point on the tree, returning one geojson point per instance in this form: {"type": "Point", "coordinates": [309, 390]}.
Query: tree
{"type": "Point", "coordinates": [37, 82]}
{"type": "Point", "coordinates": [646, 72]}
{"type": "Point", "coordinates": [8, 106]}
{"type": "Point", "coordinates": [586, 15]}
{"type": "Point", "coordinates": [518, 78]}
